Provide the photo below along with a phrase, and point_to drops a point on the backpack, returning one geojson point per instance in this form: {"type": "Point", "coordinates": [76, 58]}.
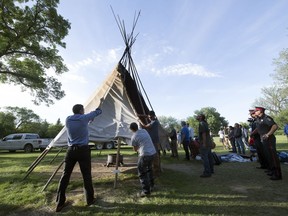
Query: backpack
{"type": "Point", "coordinates": [217, 159]}
{"type": "Point", "coordinates": [283, 156]}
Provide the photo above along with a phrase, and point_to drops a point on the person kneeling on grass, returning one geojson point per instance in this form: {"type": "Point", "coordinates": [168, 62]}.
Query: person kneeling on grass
{"type": "Point", "coordinates": [142, 143]}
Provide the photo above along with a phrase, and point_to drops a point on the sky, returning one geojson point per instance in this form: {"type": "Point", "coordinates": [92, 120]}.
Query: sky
{"type": "Point", "coordinates": [189, 54]}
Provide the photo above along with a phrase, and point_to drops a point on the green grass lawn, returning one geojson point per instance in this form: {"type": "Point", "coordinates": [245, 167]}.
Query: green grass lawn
{"type": "Point", "coordinates": [235, 188]}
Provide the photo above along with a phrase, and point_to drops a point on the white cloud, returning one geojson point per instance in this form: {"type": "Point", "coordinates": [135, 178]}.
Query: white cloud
{"type": "Point", "coordinates": [186, 69]}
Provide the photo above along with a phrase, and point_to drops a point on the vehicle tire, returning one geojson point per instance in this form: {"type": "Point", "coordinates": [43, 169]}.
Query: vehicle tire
{"type": "Point", "coordinates": [99, 146]}
{"type": "Point", "coordinates": [28, 148]}
{"type": "Point", "coordinates": [109, 145]}
{"type": "Point", "coordinates": [42, 149]}
{"type": "Point", "coordinates": [12, 151]}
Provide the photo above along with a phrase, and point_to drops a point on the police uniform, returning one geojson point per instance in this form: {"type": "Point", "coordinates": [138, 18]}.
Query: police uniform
{"type": "Point", "coordinates": [264, 124]}
{"type": "Point", "coordinates": [258, 144]}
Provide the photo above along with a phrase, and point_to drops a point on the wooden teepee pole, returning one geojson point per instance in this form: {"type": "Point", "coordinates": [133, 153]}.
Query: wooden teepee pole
{"type": "Point", "coordinates": [116, 171]}
{"type": "Point", "coordinates": [52, 176]}
{"type": "Point", "coordinates": [37, 161]}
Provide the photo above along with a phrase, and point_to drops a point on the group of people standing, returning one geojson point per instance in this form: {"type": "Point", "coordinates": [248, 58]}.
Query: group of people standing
{"type": "Point", "coordinates": [264, 140]}
{"type": "Point", "coordinates": [145, 141]}
{"type": "Point", "coordinates": [185, 138]}
{"type": "Point", "coordinates": [238, 139]}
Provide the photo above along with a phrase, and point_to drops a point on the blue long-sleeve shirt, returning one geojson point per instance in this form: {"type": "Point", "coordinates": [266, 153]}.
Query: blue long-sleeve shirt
{"type": "Point", "coordinates": [77, 127]}
{"type": "Point", "coordinates": [286, 129]}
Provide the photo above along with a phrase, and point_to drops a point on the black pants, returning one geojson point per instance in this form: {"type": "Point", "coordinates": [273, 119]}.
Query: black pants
{"type": "Point", "coordinates": [272, 157]}
{"type": "Point", "coordinates": [263, 160]}
{"type": "Point", "coordinates": [82, 155]}
{"type": "Point", "coordinates": [186, 149]}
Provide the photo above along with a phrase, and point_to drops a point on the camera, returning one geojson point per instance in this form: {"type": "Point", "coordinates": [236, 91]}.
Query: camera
{"type": "Point", "coordinates": [250, 120]}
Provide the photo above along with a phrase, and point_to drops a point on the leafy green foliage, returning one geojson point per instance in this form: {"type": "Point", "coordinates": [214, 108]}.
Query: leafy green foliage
{"type": "Point", "coordinates": [169, 122]}
{"type": "Point", "coordinates": [54, 129]}
{"type": "Point", "coordinates": [275, 98]}
{"type": "Point", "coordinates": [23, 120]}
{"type": "Point", "coordinates": [214, 119]}
{"type": "Point", "coordinates": [6, 123]}
{"type": "Point", "coordinates": [29, 37]}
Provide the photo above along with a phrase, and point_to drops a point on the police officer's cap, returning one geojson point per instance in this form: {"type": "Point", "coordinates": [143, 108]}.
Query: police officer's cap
{"type": "Point", "coordinates": [262, 109]}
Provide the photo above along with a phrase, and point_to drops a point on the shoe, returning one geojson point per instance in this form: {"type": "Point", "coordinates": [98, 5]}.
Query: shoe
{"type": "Point", "coordinates": [91, 202]}
{"type": "Point", "coordinates": [205, 176]}
{"type": "Point", "coordinates": [143, 194]}
{"type": "Point", "coordinates": [273, 177]}
{"type": "Point", "coordinates": [60, 206]}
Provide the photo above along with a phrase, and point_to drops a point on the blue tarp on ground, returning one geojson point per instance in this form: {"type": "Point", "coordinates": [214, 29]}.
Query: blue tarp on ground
{"type": "Point", "coordinates": [233, 157]}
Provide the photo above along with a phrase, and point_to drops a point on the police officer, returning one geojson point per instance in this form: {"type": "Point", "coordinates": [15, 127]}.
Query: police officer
{"type": "Point", "coordinates": [257, 141]}
{"type": "Point", "coordinates": [266, 128]}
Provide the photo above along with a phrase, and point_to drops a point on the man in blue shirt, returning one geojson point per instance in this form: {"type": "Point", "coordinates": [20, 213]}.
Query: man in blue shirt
{"type": "Point", "coordinates": [78, 151]}
{"type": "Point", "coordinates": [286, 130]}
{"type": "Point", "coordinates": [142, 143]}
{"type": "Point", "coordinates": [185, 139]}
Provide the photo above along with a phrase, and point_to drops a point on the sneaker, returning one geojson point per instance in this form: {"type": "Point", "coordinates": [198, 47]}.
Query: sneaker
{"type": "Point", "coordinates": [143, 194]}
{"type": "Point", "coordinates": [205, 176]}
{"type": "Point", "coordinates": [91, 202]}
{"type": "Point", "coordinates": [60, 206]}
{"type": "Point", "coordinates": [275, 177]}
{"type": "Point", "coordinates": [261, 167]}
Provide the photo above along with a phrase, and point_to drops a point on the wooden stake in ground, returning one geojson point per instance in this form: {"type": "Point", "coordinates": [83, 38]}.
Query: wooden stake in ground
{"type": "Point", "coordinates": [116, 171]}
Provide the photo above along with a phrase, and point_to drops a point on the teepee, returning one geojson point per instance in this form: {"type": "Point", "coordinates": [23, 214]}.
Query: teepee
{"type": "Point", "coordinates": [124, 100]}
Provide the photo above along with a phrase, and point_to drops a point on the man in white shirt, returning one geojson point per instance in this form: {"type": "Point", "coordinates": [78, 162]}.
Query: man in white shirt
{"type": "Point", "coordinates": [142, 143]}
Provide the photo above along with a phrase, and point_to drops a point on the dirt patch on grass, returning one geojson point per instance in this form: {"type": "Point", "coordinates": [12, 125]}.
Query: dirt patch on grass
{"type": "Point", "coordinates": [185, 168]}
{"type": "Point", "coordinates": [100, 170]}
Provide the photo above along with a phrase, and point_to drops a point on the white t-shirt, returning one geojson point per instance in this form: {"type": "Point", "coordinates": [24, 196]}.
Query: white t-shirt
{"type": "Point", "coordinates": [221, 134]}
{"type": "Point", "coordinates": [191, 132]}
{"type": "Point", "coordinates": [142, 139]}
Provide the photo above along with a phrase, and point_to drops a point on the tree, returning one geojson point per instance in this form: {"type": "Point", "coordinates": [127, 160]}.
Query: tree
{"type": "Point", "coordinates": [29, 35]}
{"type": "Point", "coordinates": [7, 125]}
{"type": "Point", "coordinates": [54, 129]}
{"type": "Point", "coordinates": [23, 116]}
{"type": "Point", "coordinates": [193, 122]}
{"type": "Point", "coordinates": [214, 119]}
{"type": "Point", "coordinates": [281, 70]}
{"type": "Point", "coordinates": [275, 99]}
{"type": "Point", "coordinates": [281, 119]}
{"type": "Point", "coordinates": [169, 122]}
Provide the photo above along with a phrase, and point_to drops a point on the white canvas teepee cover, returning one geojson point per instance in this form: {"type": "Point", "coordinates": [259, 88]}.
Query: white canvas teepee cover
{"type": "Point", "coordinates": [117, 113]}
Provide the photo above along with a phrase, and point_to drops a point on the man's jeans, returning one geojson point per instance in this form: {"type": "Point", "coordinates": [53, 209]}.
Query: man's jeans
{"type": "Point", "coordinates": [145, 173]}
{"type": "Point", "coordinates": [208, 161]}
{"type": "Point", "coordinates": [240, 145]}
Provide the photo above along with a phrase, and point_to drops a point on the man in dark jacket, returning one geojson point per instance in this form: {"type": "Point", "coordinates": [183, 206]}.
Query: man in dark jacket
{"type": "Point", "coordinates": [238, 139]}
{"type": "Point", "coordinates": [266, 128]}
